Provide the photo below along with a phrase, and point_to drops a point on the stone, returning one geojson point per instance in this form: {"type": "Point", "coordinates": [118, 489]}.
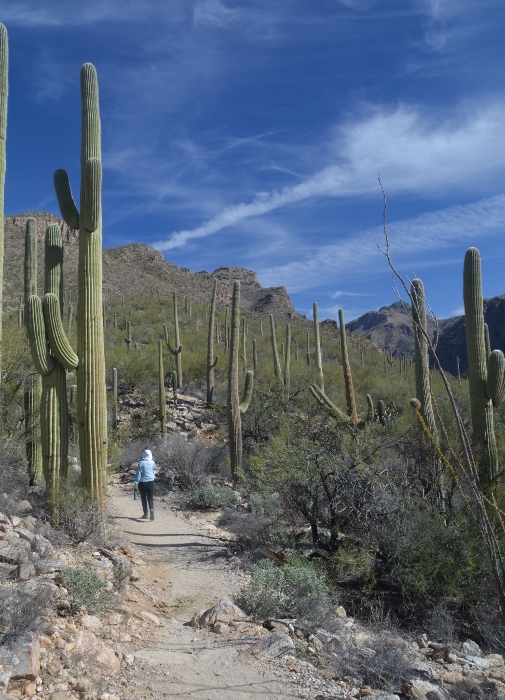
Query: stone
{"type": "Point", "coordinates": [22, 657]}
{"type": "Point", "coordinates": [479, 662]}
{"type": "Point", "coordinates": [7, 696]}
{"type": "Point", "coordinates": [25, 571]}
{"type": "Point", "coordinates": [5, 677]}
{"type": "Point", "coordinates": [101, 655]}
{"type": "Point", "coordinates": [225, 611]}
{"type": "Point", "coordinates": [25, 534]}
{"type": "Point", "coordinates": [422, 690]}
{"type": "Point", "coordinates": [129, 551]}
{"type": "Point", "coordinates": [28, 523]}
{"type": "Point", "coordinates": [14, 550]}
{"type": "Point", "coordinates": [149, 617]}
{"type": "Point", "coordinates": [471, 648]}
{"type": "Point", "coordinates": [220, 628]}
{"type": "Point", "coordinates": [63, 695]}
{"type": "Point", "coordinates": [271, 646]}
{"type": "Point", "coordinates": [14, 520]}
{"type": "Point", "coordinates": [340, 612]}
{"type": "Point", "coordinates": [43, 547]}
{"type": "Point", "coordinates": [30, 689]}
{"type": "Point", "coordinates": [93, 623]}
{"type": "Point", "coordinates": [4, 519]}
{"type": "Point", "coordinates": [425, 670]}
{"type": "Point", "coordinates": [24, 507]}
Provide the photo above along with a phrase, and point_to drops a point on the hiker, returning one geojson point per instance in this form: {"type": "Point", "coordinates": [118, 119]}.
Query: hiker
{"type": "Point", "coordinates": [144, 481]}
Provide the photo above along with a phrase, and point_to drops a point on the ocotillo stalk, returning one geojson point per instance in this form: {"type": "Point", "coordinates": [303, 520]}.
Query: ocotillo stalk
{"type": "Point", "coordinates": [349, 389]}
{"type": "Point", "coordinates": [211, 363]}
{"type": "Point", "coordinates": [423, 385]}
{"type": "Point", "coordinates": [234, 406]}
{"type": "Point", "coordinates": [277, 364]}
{"type": "Point", "coordinates": [161, 389]}
{"type": "Point", "coordinates": [282, 350]}
{"type": "Point", "coordinates": [287, 362]}
{"type": "Point", "coordinates": [307, 358]}
{"type": "Point", "coordinates": [317, 342]}
{"type": "Point", "coordinates": [91, 395]}
{"type": "Point", "coordinates": [4, 88]}
{"type": "Point", "coordinates": [482, 391]}
{"type": "Point", "coordinates": [114, 398]}
{"type": "Point", "coordinates": [176, 351]}
{"type": "Point", "coordinates": [308, 341]}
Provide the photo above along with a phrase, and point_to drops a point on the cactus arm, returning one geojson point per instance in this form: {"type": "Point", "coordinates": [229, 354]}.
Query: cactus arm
{"type": "Point", "coordinates": [92, 187]}
{"type": "Point", "coordinates": [30, 268]}
{"type": "Point", "coordinates": [37, 340]}
{"type": "Point", "coordinates": [321, 397]}
{"type": "Point", "coordinates": [370, 416]}
{"type": "Point", "coordinates": [422, 370]}
{"type": "Point", "coordinates": [248, 390]}
{"type": "Point", "coordinates": [277, 364]}
{"type": "Point", "coordinates": [349, 389]}
{"type": "Point", "coordinates": [65, 199]}
{"type": "Point", "coordinates": [58, 342]}
{"type": "Point", "coordinates": [33, 388]}
{"type": "Point", "coordinates": [53, 263]}
{"type": "Point", "coordinates": [174, 351]}
{"type": "Point", "coordinates": [487, 341]}
{"type": "Point", "coordinates": [495, 383]}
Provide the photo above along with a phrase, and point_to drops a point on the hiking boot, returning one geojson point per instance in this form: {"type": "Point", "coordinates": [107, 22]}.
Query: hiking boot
{"type": "Point", "coordinates": [144, 517]}
{"type": "Point", "coordinates": [152, 515]}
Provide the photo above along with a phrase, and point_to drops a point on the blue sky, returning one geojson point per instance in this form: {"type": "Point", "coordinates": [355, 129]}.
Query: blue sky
{"type": "Point", "coordinates": [250, 133]}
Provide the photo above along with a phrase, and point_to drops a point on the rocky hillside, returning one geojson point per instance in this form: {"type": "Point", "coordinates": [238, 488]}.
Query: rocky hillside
{"type": "Point", "coordinates": [135, 269]}
{"type": "Point", "coordinates": [391, 328]}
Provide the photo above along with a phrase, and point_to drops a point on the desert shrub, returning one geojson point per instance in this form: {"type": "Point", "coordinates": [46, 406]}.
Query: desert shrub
{"type": "Point", "coordinates": [22, 612]}
{"type": "Point", "coordinates": [211, 496]}
{"type": "Point", "coordinates": [86, 588]}
{"type": "Point", "coordinates": [190, 462]}
{"type": "Point", "coordinates": [294, 590]}
{"type": "Point", "coordinates": [81, 517]}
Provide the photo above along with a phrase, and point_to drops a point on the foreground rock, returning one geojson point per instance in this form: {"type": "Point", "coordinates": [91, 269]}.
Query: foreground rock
{"type": "Point", "coordinates": [223, 612]}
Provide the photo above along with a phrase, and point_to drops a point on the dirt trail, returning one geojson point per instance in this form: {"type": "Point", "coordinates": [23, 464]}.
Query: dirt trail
{"type": "Point", "coordinates": [188, 571]}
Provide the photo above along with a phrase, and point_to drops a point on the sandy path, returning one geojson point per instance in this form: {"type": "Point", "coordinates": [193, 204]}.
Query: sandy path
{"type": "Point", "coordinates": [188, 571]}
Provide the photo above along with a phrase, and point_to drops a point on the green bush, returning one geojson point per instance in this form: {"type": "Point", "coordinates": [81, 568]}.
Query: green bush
{"type": "Point", "coordinates": [294, 590]}
{"type": "Point", "coordinates": [211, 496]}
{"type": "Point", "coordinates": [86, 588]}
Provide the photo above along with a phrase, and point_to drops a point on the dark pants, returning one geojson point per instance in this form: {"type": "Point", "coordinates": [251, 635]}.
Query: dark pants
{"type": "Point", "coordinates": [146, 489]}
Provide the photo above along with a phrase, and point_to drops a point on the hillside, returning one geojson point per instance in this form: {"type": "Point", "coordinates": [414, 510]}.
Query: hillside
{"type": "Point", "coordinates": [135, 269]}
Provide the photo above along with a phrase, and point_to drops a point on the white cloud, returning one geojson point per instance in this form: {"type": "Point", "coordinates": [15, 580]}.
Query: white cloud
{"type": "Point", "coordinates": [339, 294]}
{"type": "Point", "coordinates": [414, 152]}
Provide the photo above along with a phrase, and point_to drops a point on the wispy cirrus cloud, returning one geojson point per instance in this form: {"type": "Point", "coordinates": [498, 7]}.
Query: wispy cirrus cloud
{"type": "Point", "coordinates": [414, 152]}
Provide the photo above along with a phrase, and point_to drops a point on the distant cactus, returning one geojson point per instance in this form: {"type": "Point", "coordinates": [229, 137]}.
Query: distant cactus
{"type": "Point", "coordinates": [370, 416]}
{"type": "Point", "coordinates": [423, 384]}
{"type": "Point", "coordinates": [349, 389]}
{"type": "Point", "coordinates": [277, 364]}
{"type": "Point", "coordinates": [255, 356]}
{"type": "Point", "coordinates": [317, 344]}
{"type": "Point", "coordinates": [176, 351]}
{"type": "Point", "coordinates": [114, 398]}
{"type": "Point", "coordinates": [234, 406]}
{"type": "Point", "coordinates": [287, 362]}
{"type": "Point", "coordinates": [128, 339]}
{"type": "Point", "coordinates": [211, 362]}
{"type": "Point", "coordinates": [161, 389]}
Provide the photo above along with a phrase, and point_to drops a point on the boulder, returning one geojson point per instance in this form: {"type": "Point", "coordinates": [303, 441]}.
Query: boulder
{"type": "Point", "coordinates": [93, 623]}
{"type": "Point", "coordinates": [101, 655]}
{"type": "Point", "coordinates": [422, 690]}
{"type": "Point", "coordinates": [225, 611]}
{"type": "Point", "coordinates": [149, 617]}
{"type": "Point", "coordinates": [471, 648]}
{"type": "Point", "coordinates": [25, 571]}
{"type": "Point", "coordinates": [270, 646]}
{"type": "Point", "coordinates": [22, 657]}
{"type": "Point", "coordinates": [24, 507]}
{"type": "Point", "coordinates": [25, 534]}
{"type": "Point", "coordinates": [43, 547]}
{"type": "Point", "coordinates": [14, 550]}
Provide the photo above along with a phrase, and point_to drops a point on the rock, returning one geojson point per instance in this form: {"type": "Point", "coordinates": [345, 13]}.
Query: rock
{"type": "Point", "coordinates": [49, 567]}
{"type": "Point", "coordinates": [340, 612]}
{"type": "Point", "coordinates": [129, 551]}
{"type": "Point", "coordinates": [14, 550]}
{"type": "Point", "coordinates": [271, 646]}
{"type": "Point", "coordinates": [422, 690]}
{"type": "Point", "coordinates": [6, 696]}
{"type": "Point", "coordinates": [220, 628]}
{"type": "Point", "coordinates": [425, 670]}
{"type": "Point", "coordinates": [30, 689]}
{"type": "Point", "coordinates": [14, 520]}
{"type": "Point", "coordinates": [102, 656]}
{"type": "Point", "coordinates": [148, 617]}
{"type": "Point", "coordinates": [479, 662]}
{"type": "Point", "coordinates": [25, 534]}
{"type": "Point", "coordinates": [43, 547]}
{"type": "Point", "coordinates": [25, 571]}
{"type": "Point", "coordinates": [225, 611]}
{"type": "Point", "coordinates": [93, 623]}
{"type": "Point", "coordinates": [471, 648]}
{"type": "Point", "coordinates": [28, 523]}
{"type": "Point", "coordinates": [24, 507]}
{"type": "Point", "coordinates": [4, 519]}
{"type": "Point", "coordinates": [5, 677]}
{"type": "Point", "coordinates": [63, 695]}
{"type": "Point", "coordinates": [22, 657]}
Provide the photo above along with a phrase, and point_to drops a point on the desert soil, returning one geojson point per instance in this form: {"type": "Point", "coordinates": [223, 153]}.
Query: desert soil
{"type": "Point", "coordinates": [188, 571]}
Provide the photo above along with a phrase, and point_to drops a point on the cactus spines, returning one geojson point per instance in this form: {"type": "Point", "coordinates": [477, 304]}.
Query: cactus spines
{"type": "Point", "coordinates": [91, 396]}
{"type": "Point", "coordinates": [495, 383]}
{"type": "Point", "coordinates": [211, 362]}
{"type": "Point", "coordinates": [423, 385]}
{"type": "Point", "coordinates": [177, 349]}
{"type": "Point", "coordinates": [317, 342]}
{"type": "Point", "coordinates": [161, 389]}
{"type": "Point", "coordinates": [481, 405]}
{"type": "Point", "coordinates": [33, 389]}
{"type": "Point", "coordinates": [349, 389]}
{"type": "Point", "coordinates": [53, 263]}
{"type": "Point", "coordinates": [234, 406]}
{"type": "Point", "coordinates": [277, 364]}
{"type": "Point", "coordinates": [60, 347]}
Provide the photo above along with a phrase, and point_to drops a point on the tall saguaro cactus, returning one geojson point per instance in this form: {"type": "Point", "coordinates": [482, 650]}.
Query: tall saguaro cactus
{"type": "Point", "coordinates": [51, 355]}
{"type": "Point", "coordinates": [349, 388]}
{"type": "Point", "coordinates": [161, 389]}
{"type": "Point", "coordinates": [234, 406]}
{"type": "Point", "coordinates": [486, 376]}
{"type": "Point", "coordinates": [422, 368]}
{"type": "Point", "coordinates": [317, 341]}
{"type": "Point", "coordinates": [211, 362]}
{"type": "Point", "coordinates": [91, 394]}
{"type": "Point", "coordinates": [176, 351]}
{"type": "Point", "coordinates": [4, 89]}
{"type": "Point", "coordinates": [277, 364]}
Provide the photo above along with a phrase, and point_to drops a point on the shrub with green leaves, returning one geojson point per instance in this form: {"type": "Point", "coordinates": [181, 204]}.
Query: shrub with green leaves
{"type": "Point", "coordinates": [294, 590]}
{"type": "Point", "coordinates": [86, 588]}
{"type": "Point", "coordinates": [211, 496]}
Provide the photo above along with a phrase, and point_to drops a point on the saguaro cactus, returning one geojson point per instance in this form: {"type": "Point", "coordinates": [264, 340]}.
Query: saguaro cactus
{"type": "Point", "coordinates": [423, 386]}
{"type": "Point", "coordinates": [51, 355]}
{"type": "Point", "coordinates": [486, 377]}
{"type": "Point", "coordinates": [277, 364]}
{"type": "Point", "coordinates": [234, 406]}
{"type": "Point", "coordinates": [4, 88]}
{"type": "Point", "coordinates": [211, 362]}
{"type": "Point", "coordinates": [317, 341]}
{"type": "Point", "coordinates": [349, 389]}
{"type": "Point", "coordinates": [114, 398]}
{"type": "Point", "coordinates": [287, 361]}
{"type": "Point", "coordinates": [161, 389]}
{"type": "Point", "coordinates": [177, 349]}
{"type": "Point", "coordinates": [91, 395]}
